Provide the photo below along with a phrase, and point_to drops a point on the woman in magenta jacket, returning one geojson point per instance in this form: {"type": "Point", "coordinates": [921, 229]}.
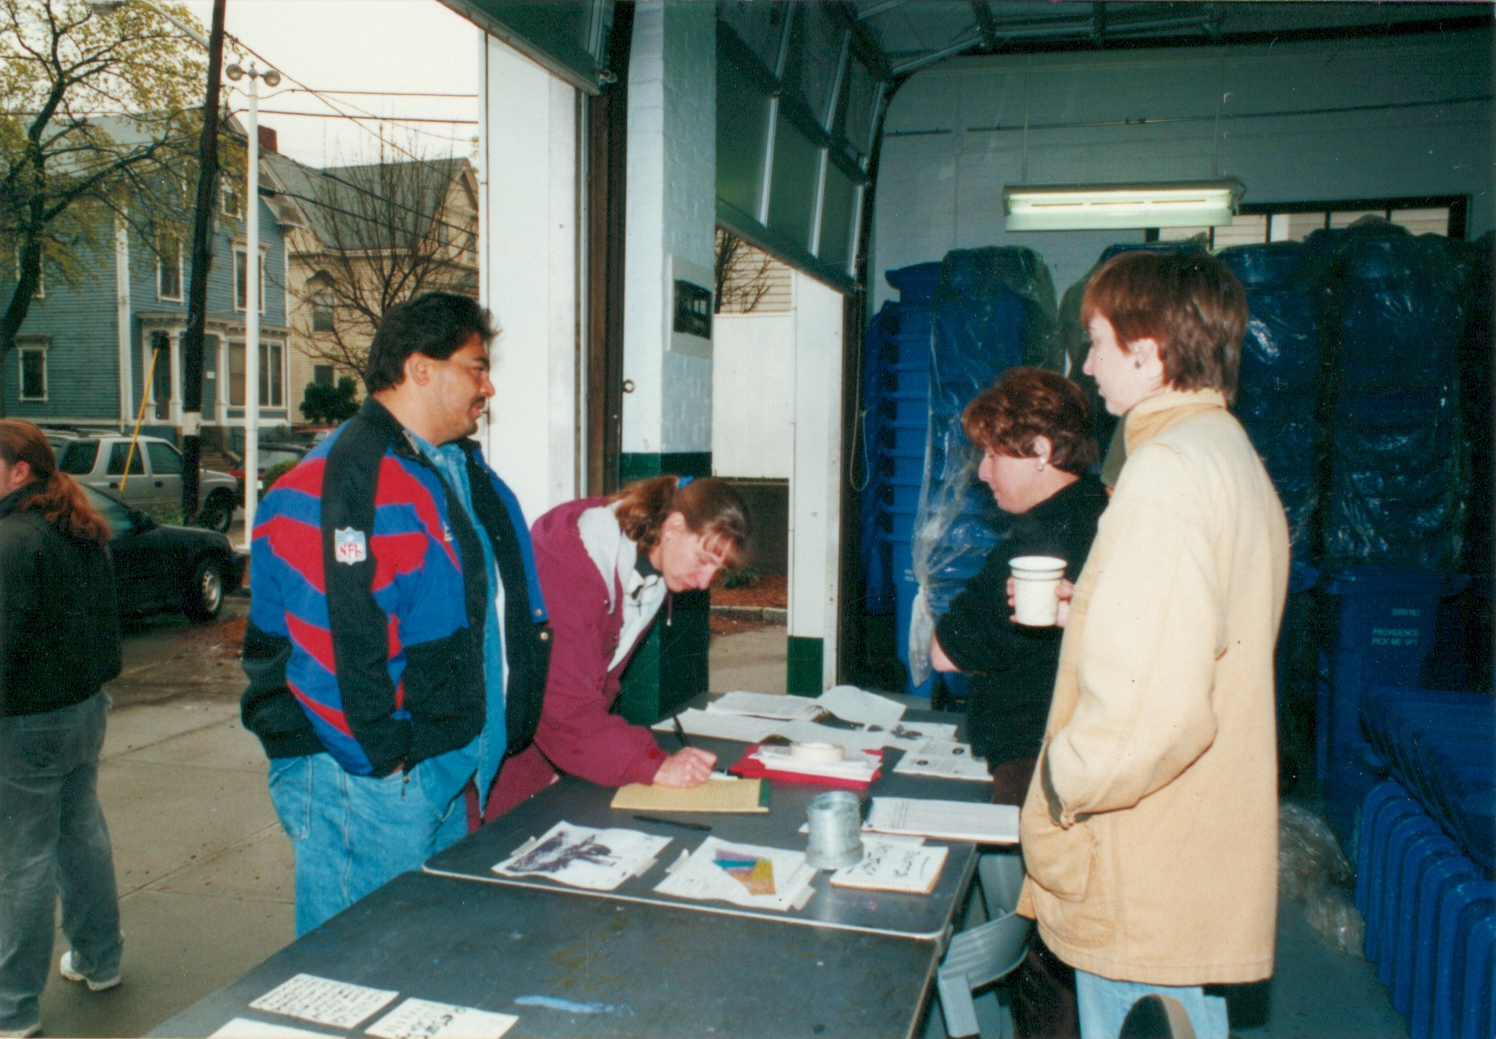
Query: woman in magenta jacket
{"type": "Point", "coordinates": [606, 565]}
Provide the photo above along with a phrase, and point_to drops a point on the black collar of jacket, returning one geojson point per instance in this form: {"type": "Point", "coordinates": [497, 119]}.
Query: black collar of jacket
{"type": "Point", "coordinates": [16, 499]}
{"type": "Point", "coordinates": [382, 419]}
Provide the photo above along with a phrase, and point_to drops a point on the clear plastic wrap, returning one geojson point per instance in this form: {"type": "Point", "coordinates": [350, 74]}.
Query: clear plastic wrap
{"type": "Point", "coordinates": [1281, 360]}
{"type": "Point", "coordinates": [993, 309]}
{"type": "Point", "coordinates": [1313, 870]}
{"type": "Point", "coordinates": [1399, 475]}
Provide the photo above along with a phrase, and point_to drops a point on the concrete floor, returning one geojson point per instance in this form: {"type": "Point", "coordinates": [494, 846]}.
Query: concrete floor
{"type": "Point", "coordinates": [205, 873]}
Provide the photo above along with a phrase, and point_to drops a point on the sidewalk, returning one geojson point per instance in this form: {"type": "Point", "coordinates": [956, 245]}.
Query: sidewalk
{"type": "Point", "coordinates": [205, 874]}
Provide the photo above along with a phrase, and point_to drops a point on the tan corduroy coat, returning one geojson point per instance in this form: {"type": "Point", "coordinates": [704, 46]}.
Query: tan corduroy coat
{"type": "Point", "coordinates": [1160, 754]}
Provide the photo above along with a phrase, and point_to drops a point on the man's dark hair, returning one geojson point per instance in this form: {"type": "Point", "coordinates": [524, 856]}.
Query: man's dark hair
{"type": "Point", "coordinates": [436, 324]}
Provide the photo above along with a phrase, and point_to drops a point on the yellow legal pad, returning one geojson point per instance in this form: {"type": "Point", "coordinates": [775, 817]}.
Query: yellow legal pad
{"type": "Point", "coordinates": [715, 795]}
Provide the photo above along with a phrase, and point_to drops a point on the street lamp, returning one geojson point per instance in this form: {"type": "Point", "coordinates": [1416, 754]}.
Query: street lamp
{"type": "Point", "coordinates": [252, 291]}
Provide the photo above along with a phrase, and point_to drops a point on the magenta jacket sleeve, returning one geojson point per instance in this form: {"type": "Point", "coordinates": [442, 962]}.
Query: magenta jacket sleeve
{"type": "Point", "coordinates": [578, 732]}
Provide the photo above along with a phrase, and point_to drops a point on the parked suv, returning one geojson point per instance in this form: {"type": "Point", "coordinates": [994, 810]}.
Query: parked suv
{"type": "Point", "coordinates": [154, 482]}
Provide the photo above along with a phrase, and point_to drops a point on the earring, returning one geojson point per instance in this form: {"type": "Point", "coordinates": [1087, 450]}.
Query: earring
{"type": "Point", "coordinates": [1041, 465]}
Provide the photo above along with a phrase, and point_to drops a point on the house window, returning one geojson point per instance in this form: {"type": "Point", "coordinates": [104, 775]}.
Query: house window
{"type": "Point", "coordinates": [1294, 222]}
{"type": "Point", "coordinates": [33, 360]}
{"type": "Point", "coordinates": [230, 201]}
{"type": "Point", "coordinates": [272, 375]}
{"type": "Point", "coordinates": [322, 311]}
{"type": "Point", "coordinates": [322, 374]}
{"type": "Point", "coordinates": [169, 269]}
{"type": "Point", "coordinates": [241, 276]}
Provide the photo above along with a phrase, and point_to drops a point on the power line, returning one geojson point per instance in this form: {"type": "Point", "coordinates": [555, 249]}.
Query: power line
{"type": "Point", "coordinates": [384, 118]}
{"type": "Point", "coordinates": [375, 93]}
{"type": "Point", "coordinates": [356, 119]}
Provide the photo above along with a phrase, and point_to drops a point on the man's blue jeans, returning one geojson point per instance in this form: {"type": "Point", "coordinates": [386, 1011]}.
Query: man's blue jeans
{"type": "Point", "coordinates": [352, 834]}
{"type": "Point", "coordinates": [53, 841]}
{"type": "Point", "coordinates": [1103, 1005]}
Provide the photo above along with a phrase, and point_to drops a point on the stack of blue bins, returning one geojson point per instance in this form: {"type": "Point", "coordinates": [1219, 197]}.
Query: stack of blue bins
{"type": "Point", "coordinates": [896, 407]}
{"type": "Point", "coordinates": [992, 308]}
{"type": "Point", "coordinates": [1427, 852]}
{"type": "Point", "coordinates": [1397, 479]}
{"type": "Point", "coordinates": [1393, 510]}
{"type": "Point", "coordinates": [1278, 386]}
{"type": "Point", "coordinates": [1277, 404]}
{"type": "Point", "coordinates": [1382, 621]}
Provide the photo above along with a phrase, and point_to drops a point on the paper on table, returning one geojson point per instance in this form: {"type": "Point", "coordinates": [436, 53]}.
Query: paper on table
{"type": "Point", "coordinates": [908, 735]}
{"type": "Point", "coordinates": [945, 820]}
{"type": "Point", "coordinates": [852, 741]}
{"type": "Point", "coordinates": [893, 865]}
{"type": "Point", "coordinates": [322, 1000]}
{"type": "Point", "coordinates": [943, 759]}
{"type": "Point", "coordinates": [582, 856]}
{"type": "Point", "coordinates": [765, 705]}
{"type": "Point", "coordinates": [715, 726]}
{"type": "Point", "coordinates": [248, 1028]}
{"type": "Point", "coordinates": [423, 1019]}
{"type": "Point", "coordinates": [700, 877]}
{"type": "Point", "coordinates": [717, 794]}
{"type": "Point", "coordinates": [782, 759]}
{"type": "Point", "coordinates": [851, 704]}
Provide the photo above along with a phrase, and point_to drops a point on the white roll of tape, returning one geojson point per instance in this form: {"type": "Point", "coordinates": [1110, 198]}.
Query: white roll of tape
{"type": "Point", "coordinates": [821, 753]}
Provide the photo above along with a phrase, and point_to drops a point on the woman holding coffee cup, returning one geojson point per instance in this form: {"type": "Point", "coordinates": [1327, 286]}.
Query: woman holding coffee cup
{"type": "Point", "coordinates": [1035, 432]}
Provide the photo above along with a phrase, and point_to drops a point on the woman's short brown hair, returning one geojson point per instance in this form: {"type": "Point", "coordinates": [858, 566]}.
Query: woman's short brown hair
{"type": "Point", "coordinates": [1027, 403]}
{"type": "Point", "coordinates": [711, 508]}
{"type": "Point", "coordinates": [1191, 305]}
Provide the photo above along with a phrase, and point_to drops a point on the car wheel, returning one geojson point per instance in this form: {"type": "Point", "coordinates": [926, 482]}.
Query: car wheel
{"type": "Point", "coordinates": [205, 596]}
{"type": "Point", "coordinates": [217, 513]}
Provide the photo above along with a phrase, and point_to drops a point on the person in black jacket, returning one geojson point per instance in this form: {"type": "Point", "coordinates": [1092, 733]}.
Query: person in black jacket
{"type": "Point", "coordinates": [59, 643]}
{"type": "Point", "coordinates": [1035, 431]}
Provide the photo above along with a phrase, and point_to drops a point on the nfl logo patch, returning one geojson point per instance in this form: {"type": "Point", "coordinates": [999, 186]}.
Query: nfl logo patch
{"type": "Point", "coordinates": [349, 545]}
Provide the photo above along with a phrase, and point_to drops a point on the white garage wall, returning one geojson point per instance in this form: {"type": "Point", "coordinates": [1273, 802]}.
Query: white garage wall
{"type": "Point", "coordinates": [753, 395]}
{"type": "Point", "coordinates": [1300, 121]}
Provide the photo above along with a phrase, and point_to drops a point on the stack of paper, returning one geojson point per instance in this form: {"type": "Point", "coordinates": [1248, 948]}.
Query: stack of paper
{"type": "Point", "coordinates": [777, 763]}
{"type": "Point", "coordinates": [861, 768]}
{"type": "Point", "coordinates": [945, 820]}
{"type": "Point", "coordinates": [766, 705]}
{"type": "Point", "coordinates": [893, 865]}
{"type": "Point", "coordinates": [717, 794]}
{"type": "Point", "coordinates": [943, 759]}
{"type": "Point", "coordinates": [743, 874]}
{"type": "Point", "coordinates": [582, 856]}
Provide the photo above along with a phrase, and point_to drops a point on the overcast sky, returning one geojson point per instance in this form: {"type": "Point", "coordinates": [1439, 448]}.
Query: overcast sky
{"type": "Point", "coordinates": [388, 47]}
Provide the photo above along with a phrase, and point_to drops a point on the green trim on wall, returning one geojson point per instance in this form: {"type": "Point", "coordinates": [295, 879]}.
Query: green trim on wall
{"type": "Point", "coordinates": [806, 658]}
{"type": "Point", "coordinates": [633, 467]}
{"type": "Point", "coordinates": [670, 666]}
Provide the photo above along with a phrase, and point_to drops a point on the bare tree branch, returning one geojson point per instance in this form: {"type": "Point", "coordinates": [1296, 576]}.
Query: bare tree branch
{"type": "Point", "coordinates": [378, 233]}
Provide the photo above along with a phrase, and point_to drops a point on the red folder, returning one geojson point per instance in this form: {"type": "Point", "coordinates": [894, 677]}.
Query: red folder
{"type": "Point", "coordinates": [750, 767]}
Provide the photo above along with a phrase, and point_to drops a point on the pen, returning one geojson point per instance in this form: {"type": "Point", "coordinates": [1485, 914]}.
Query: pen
{"type": "Point", "coordinates": [680, 732]}
{"type": "Point", "coordinates": [673, 822]}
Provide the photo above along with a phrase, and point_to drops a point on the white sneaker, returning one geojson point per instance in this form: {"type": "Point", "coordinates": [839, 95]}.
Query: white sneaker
{"type": "Point", "coordinates": [65, 968]}
{"type": "Point", "coordinates": [21, 1033]}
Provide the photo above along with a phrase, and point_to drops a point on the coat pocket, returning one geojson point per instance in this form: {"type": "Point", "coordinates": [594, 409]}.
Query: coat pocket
{"type": "Point", "coordinates": [1070, 893]}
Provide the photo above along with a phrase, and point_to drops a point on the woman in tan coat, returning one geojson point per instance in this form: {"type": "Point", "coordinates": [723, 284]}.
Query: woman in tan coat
{"type": "Point", "coordinates": [1150, 829]}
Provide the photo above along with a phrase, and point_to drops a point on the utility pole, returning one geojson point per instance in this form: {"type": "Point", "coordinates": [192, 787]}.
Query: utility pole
{"type": "Point", "coordinates": [202, 262]}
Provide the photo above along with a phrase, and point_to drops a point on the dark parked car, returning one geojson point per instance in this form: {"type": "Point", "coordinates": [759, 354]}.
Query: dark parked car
{"type": "Point", "coordinates": [161, 568]}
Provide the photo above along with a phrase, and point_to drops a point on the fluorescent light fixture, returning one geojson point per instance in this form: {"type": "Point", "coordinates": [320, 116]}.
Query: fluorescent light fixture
{"type": "Point", "coordinates": [1084, 207]}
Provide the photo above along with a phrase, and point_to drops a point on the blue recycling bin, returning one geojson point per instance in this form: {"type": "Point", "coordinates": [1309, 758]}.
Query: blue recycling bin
{"type": "Point", "coordinates": [1381, 628]}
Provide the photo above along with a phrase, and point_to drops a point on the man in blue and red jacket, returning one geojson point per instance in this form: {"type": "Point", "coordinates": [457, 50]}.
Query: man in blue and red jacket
{"type": "Point", "coordinates": [397, 643]}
